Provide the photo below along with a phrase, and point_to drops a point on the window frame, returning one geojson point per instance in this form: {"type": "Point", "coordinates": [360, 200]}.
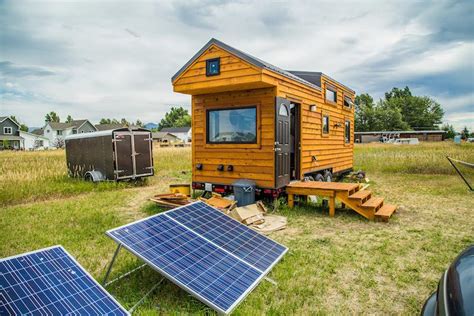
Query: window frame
{"type": "Point", "coordinates": [5, 130]}
{"type": "Point", "coordinates": [208, 61]}
{"type": "Point", "coordinates": [59, 132]}
{"type": "Point", "coordinates": [230, 108]}
{"type": "Point", "coordinates": [332, 89]}
{"type": "Point", "coordinates": [347, 132]}
{"type": "Point", "coordinates": [328, 125]}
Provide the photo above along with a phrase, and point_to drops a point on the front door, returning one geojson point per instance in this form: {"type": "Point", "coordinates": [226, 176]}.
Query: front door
{"type": "Point", "coordinates": [143, 153]}
{"type": "Point", "coordinates": [282, 142]}
{"type": "Point", "coordinates": [124, 164]}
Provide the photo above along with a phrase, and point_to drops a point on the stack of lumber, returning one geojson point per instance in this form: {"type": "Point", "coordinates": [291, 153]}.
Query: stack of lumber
{"type": "Point", "coordinates": [171, 199]}
{"type": "Point", "coordinates": [222, 204]}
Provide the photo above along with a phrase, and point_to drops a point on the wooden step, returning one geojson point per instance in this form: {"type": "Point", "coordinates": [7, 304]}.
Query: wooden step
{"type": "Point", "coordinates": [385, 212]}
{"type": "Point", "coordinates": [373, 202]}
{"type": "Point", "coordinates": [360, 195]}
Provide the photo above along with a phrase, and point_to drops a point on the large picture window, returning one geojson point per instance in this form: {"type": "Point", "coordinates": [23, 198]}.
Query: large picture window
{"type": "Point", "coordinates": [237, 126]}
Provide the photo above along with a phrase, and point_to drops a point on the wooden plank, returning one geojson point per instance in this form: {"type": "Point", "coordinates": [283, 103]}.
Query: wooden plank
{"type": "Point", "coordinates": [374, 202]}
{"type": "Point", "coordinates": [386, 211]}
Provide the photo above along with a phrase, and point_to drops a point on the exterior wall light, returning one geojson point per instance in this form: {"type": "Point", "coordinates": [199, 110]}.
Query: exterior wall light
{"type": "Point", "coordinates": [312, 107]}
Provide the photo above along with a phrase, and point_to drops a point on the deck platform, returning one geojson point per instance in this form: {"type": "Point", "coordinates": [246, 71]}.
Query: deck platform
{"type": "Point", "coordinates": [350, 194]}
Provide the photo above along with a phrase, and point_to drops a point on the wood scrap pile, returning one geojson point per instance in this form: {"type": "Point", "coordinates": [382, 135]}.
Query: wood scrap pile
{"type": "Point", "coordinates": [257, 217]}
{"type": "Point", "coordinates": [171, 200]}
{"type": "Point", "coordinates": [222, 204]}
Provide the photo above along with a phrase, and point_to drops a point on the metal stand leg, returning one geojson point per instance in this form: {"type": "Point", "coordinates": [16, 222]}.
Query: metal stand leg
{"type": "Point", "coordinates": [144, 297]}
{"type": "Point", "coordinates": [111, 264]}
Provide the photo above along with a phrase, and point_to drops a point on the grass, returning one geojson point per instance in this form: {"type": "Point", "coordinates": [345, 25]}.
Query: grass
{"type": "Point", "coordinates": [341, 265]}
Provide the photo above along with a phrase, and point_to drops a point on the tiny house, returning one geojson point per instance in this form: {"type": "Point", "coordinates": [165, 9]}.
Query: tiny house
{"type": "Point", "coordinates": [252, 120]}
{"type": "Point", "coordinates": [118, 154]}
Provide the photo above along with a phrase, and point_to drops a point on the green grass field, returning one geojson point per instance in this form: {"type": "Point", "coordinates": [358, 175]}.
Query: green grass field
{"type": "Point", "coordinates": [341, 265]}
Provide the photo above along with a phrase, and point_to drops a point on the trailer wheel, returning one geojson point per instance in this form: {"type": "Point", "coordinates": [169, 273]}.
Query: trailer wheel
{"type": "Point", "coordinates": [328, 176]}
{"type": "Point", "coordinates": [319, 177]}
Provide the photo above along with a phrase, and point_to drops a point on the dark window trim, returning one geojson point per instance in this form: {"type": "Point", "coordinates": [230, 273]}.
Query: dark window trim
{"type": "Point", "coordinates": [322, 124]}
{"type": "Point", "coordinates": [347, 132]}
{"type": "Point", "coordinates": [208, 61]}
{"type": "Point", "coordinates": [344, 101]}
{"type": "Point", "coordinates": [330, 88]}
{"type": "Point", "coordinates": [227, 109]}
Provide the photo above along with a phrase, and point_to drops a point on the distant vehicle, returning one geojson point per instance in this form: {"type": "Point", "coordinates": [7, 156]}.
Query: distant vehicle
{"type": "Point", "coordinates": [118, 154]}
{"type": "Point", "coordinates": [470, 140]}
{"type": "Point", "coordinates": [455, 293]}
{"type": "Point", "coordinates": [407, 141]}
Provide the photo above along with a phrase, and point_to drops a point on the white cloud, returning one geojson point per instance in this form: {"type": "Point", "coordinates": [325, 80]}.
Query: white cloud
{"type": "Point", "coordinates": [115, 59]}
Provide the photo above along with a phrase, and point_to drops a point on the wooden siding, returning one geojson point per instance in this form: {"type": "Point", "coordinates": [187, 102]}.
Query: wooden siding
{"type": "Point", "coordinates": [330, 150]}
{"type": "Point", "coordinates": [250, 161]}
{"type": "Point", "coordinates": [235, 74]}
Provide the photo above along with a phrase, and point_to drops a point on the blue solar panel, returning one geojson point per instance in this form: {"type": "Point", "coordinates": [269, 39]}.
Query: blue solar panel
{"type": "Point", "coordinates": [219, 273]}
{"type": "Point", "coordinates": [250, 246]}
{"type": "Point", "coordinates": [50, 282]}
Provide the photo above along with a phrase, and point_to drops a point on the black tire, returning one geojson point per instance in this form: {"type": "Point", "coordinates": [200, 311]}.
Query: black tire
{"type": "Point", "coordinates": [319, 177]}
{"type": "Point", "coordinates": [328, 176]}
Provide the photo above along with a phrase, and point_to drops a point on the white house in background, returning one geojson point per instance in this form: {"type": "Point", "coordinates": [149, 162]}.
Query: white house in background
{"type": "Point", "coordinates": [33, 141]}
{"type": "Point", "coordinates": [183, 133]}
{"type": "Point", "coordinates": [11, 137]}
{"type": "Point", "coordinates": [57, 131]}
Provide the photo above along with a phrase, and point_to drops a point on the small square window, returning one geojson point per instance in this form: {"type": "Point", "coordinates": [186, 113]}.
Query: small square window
{"type": "Point", "coordinates": [325, 124]}
{"type": "Point", "coordinates": [213, 67]}
{"type": "Point", "coordinates": [348, 102]}
{"type": "Point", "coordinates": [331, 95]}
{"type": "Point", "coordinates": [59, 132]}
{"type": "Point", "coordinates": [7, 130]}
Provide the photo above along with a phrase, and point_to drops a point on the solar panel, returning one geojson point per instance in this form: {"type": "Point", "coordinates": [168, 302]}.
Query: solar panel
{"type": "Point", "coordinates": [209, 261]}
{"type": "Point", "coordinates": [50, 281]}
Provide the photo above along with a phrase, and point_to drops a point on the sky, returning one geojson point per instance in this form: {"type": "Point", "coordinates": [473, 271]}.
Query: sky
{"type": "Point", "coordinates": [95, 59]}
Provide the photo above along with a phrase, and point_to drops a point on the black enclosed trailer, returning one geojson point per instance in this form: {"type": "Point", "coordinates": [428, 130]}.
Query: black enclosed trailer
{"type": "Point", "coordinates": [117, 154]}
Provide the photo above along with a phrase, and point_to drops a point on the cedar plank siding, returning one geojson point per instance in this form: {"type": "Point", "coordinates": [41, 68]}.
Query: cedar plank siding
{"type": "Point", "coordinates": [250, 161]}
{"type": "Point", "coordinates": [241, 83]}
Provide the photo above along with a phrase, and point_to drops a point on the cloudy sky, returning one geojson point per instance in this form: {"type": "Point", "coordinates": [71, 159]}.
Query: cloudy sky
{"type": "Point", "coordinates": [95, 59]}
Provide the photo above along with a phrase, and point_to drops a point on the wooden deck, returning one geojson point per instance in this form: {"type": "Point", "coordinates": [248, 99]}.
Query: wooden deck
{"type": "Point", "coordinates": [350, 194]}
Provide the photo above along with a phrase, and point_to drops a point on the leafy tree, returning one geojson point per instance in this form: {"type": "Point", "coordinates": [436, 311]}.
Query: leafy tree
{"type": "Point", "coordinates": [465, 133]}
{"type": "Point", "coordinates": [52, 117]}
{"type": "Point", "coordinates": [108, 121]}
{"type": "Point", "coordinates": [23, 127]}
{"type": "Point", "coordinates": [364, 113]}
{"type": "Point", "coordinates": [124, 122]}
{"type": "Point", "coordinates": [388, 117]}
{"type": "Point", "coordinates": [176, 117]}
{"type": "Point", "coordinates": [139, 123]}
{"type": "Point", "coordinates": [449, 129]}
{"type": "Point", "coordinates": [417, 112]}
{"type": "Point", "coordinates": [69, 119]}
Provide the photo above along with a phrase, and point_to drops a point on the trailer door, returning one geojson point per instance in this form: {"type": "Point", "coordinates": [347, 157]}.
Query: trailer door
{"type": "Point", "coordinates": [124, 161]}
{"type": "Point", "coordinates": [142, 142]}
{"type": "Point", "coordinates": [282, 142]}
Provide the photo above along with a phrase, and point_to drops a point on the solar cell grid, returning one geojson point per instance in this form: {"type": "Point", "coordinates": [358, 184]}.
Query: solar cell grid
{"type": "Point", "coordinates": [202, 268]}
{"type": "Point", "coordinates": [252, 247]}
{"type": "Point", "coordinates": [50, 281]}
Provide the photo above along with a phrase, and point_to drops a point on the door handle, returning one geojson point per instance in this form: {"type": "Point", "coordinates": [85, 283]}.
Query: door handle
{"type": "Point", "coordinates": [277, 149]}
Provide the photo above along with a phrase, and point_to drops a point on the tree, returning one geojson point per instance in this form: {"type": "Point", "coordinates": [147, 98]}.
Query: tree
{"type": "Point", "coordinates": [104, 121]}
{"type": "Point", "coordinates": [418, 112]}
{"type": "Point", "coordinates": [23, 127]}
{"type": "Point", "coordinates": [449, 129]}
{"type": "Point", "coordinates": [58, 142]}
{"type": "Point", "coordinates": [364, 113]}
{"type": "Point", "coordinates": [465, 133]}
{"type": "Point", "coordinates": [176, 117]}
{"type": "Point", "coordinates": [52, 117]}
{"type": "Point", "coordinates": [139, 123]}
{"type": "Point", "coordinates": [387, 117]}
{"type": "Point", "coordinates": [69, 119]}
{"type": "Point", "coordinates": [124, 122]}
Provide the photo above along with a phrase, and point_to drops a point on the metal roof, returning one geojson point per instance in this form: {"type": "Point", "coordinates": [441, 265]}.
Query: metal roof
{"type": "Point", "coordinates": [248, 58]}
{"type": "Point", "coordinates": [315, 77]}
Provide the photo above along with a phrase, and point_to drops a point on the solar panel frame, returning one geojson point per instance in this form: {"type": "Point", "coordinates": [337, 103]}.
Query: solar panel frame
{"type": "Point", "coordinates": [183, 286]}
{"type": "Point", "coordinates": [78, 266]}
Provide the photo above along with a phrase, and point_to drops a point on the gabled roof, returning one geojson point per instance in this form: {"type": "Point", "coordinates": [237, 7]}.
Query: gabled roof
{"type": "Point", "coordinates": [38, 131]}
{"type": "Point", "coordinates": [72, 124]}
{"type": "Point", "coordinates": [3, 118]}
{"type": "Point", "coordinates": [248, 58]}
{"type": "Point", "coordinates": [162, 134]}
{"type": "Point", "coordinates": [175, 129]}
{"type": "Point", "coordinates": [105, 127]}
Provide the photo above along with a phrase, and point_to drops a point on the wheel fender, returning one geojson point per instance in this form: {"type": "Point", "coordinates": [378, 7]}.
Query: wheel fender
{"type": "Point", "coordinates": [95, 175]}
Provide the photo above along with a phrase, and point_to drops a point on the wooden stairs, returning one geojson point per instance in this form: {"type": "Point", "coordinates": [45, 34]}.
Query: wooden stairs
{"type": "Point", "coordinates": [349, 194]}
